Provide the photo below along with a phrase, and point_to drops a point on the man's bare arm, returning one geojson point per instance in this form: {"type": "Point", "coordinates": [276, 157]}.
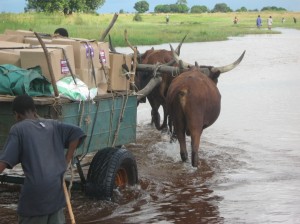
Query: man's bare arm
{"type": "Point", "coordinates": [71, 149]}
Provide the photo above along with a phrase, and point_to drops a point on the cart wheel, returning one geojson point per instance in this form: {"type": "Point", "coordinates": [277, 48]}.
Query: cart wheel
{"type": "Point", "coordinates": [110, 168]}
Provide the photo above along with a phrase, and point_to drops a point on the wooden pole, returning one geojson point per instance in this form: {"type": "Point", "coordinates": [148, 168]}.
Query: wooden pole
{"type": "Point", "coordinates": [135, 54]}
{"type": "Point", "coordinates": [53, 81]}
{"type": "Point", "coordinates": [109, 27]}
{"type": "Point", "coordinates": [68, 201]}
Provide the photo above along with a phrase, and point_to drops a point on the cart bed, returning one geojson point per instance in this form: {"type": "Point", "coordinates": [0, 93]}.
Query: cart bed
{"type": "Point", "coordinates": [109, 120]}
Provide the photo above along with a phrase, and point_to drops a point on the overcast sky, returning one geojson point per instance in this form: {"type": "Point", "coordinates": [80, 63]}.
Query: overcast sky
{"type": "Point", "coordinates": [112, 6]}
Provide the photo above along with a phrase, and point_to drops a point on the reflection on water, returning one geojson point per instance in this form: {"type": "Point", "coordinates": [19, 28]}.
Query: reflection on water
{"type": "Point", "coordinates": [250, 162]}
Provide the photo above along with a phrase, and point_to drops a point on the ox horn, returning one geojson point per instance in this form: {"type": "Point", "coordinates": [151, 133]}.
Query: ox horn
{"type": "Point", "coordinates": [177, 51]}
{"type": "Point", "coordinates": [178, 61]}
{"type": "Point", "coordinates": [221, 69]}
{"type": "Point", "coordinates": [229, 67]}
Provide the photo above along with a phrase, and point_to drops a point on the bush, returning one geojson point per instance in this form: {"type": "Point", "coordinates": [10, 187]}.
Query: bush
{"type": "Point", "coordinates": [137, 17]}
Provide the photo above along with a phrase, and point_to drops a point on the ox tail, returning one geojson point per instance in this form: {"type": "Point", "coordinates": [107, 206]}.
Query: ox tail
{"type": "Point", "coordinates": [182, 98]}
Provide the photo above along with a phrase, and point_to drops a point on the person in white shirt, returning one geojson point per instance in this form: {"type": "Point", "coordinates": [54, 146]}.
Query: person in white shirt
{"type": "Point", "coordinates": [270, 22]}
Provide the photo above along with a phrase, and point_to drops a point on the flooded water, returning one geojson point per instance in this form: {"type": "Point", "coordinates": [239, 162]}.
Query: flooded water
{"type": "Point", "coordinates": [250, 158]}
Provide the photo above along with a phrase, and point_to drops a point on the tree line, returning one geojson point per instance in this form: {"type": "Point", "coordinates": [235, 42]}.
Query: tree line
{"type": "Point", "coordinates": [181, 7]}
{"type": "Point", "coordinates": [90, 6]}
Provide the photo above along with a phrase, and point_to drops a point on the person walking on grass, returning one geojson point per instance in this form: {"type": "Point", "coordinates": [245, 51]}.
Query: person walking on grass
{"type": "Point", "coordinates": [270, 22]}
{"type": "Point", "coordinates": [258, 22]}
{"type": "Point", "coordinates": [167, 18]}
{"type": "Point", "coordinates": [39, 145]}
{"type": "Point", "coordinates": [235, 20]}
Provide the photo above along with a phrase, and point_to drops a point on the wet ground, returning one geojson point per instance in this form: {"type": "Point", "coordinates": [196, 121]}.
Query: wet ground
{"type": "Point", "coordinates": [250, 158]}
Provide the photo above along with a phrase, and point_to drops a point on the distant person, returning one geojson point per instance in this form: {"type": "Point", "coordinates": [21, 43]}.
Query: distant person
{"type": "Point", "coordinates": [61, 32]}
{"type": "Point", "coordinates": [270, 22]}
{"type": "Point", "coordinates": [295, 20]}
{"type": "Point", "coordinates": [258, 22]}
{"type": "Point", "coordinates": [167, 19]}
{"type": "Point", "coordinates": [235, 20]}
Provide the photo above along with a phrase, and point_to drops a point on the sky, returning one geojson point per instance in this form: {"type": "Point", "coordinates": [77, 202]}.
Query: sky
{"type": "Point", "coordinates": [112, 6]}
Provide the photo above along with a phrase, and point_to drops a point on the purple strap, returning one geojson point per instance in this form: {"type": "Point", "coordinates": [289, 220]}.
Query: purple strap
{"type": "Point", "coordinates": [89, 51]}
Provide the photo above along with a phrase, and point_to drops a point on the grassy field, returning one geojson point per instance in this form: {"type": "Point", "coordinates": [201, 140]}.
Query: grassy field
{"type": "Point", "coordinates": [152, 29]}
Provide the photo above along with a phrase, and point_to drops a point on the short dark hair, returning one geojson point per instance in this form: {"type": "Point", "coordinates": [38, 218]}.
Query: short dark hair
{"type": "Point", "coordinates": [62, 32]}
{"type": "Point", "coordinates": [23, 104]}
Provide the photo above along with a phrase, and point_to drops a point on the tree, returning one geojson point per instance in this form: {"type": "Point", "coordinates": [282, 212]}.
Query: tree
{"type": "Point", "coordinates": [181, 2]}
{"type": "Point", "coordinates": [221, 7]}
{"type": "Point", "coordinates": [141, 6]}
{"type": "Point", "coordinates": [175, 8]}
{"type": "Point", "coordinates": [199, 9]}
{"type": "Point", "coordinates": [242, 9]}
{"type": "Point", "coordinates": [93, 5]}
{"type": "Point", "coordinates": [162, 9]}
{"type": "Point", "coordinates": [273, 8]}
{"type": "Point", "coordinates": [64, 5]}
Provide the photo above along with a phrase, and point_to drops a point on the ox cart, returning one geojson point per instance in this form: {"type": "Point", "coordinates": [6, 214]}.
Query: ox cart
{"type": "Point", "coordinates": [109, 122]}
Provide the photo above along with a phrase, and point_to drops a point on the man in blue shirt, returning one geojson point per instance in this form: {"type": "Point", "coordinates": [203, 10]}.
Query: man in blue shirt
{"type": "Point", "coordinates": [258, 22]}
{"type": "Point", "coordinates": [39, 145]}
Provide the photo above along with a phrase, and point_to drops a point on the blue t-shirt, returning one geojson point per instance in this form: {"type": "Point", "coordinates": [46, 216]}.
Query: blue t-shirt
{"type": "Point", "coordinates": [39, 146]}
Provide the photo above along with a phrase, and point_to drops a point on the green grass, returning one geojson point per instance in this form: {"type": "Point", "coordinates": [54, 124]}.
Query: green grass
{"type": "Point", "coordinates": [153, 29]}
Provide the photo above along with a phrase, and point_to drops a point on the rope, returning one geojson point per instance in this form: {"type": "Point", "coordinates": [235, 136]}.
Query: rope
{"type": "Point", "coordinates": [57, 106]}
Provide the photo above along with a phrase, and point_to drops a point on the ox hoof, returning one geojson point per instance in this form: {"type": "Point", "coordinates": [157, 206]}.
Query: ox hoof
{"type": "Point", "coordinates": [183, 157]}
{"type": "Point", "coordinates": [195, 164]}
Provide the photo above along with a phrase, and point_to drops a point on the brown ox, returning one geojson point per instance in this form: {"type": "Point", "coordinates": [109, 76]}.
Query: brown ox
{"type": "Point", "coordinates": [193, 103]}
{"type": "Point", "coordinates": [157, 96]}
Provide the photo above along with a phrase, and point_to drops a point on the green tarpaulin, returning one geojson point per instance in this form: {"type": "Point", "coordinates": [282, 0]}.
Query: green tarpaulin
{"type": "Point", "coordinates": [18, 81]}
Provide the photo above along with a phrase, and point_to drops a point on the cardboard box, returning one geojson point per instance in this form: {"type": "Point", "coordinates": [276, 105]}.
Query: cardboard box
{"type": "Point", "coordinates": [19, 32]}
{"type": "Point", "coordinates": [10, 57]}
{"type": "Point", "coordinates": [35, 41]}
{"type": "Point", "coordinates": [33, 57]}
{"type": "Point", "coordinates": [19, 35]}
{"type": "Point", "coordinates": [102, 88]}
{"type": "Point", "coordinates": [67, 51]}
{"type": "Point", "coordinates": [87, 77]}
{"type": "Point", "coordinates": [12, 38]}
{"type": "Point", "coordinates": [86, 53]}
{"type": "Point", "coordinates": [11, 45]}
{"type": "Point", "coordinates": [117, 80]}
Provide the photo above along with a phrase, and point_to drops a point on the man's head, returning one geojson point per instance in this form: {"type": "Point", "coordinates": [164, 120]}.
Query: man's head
{"type": "Point", "coordinates": [23, 107]}
{"type": "Point", "coordinates": [62, 32]}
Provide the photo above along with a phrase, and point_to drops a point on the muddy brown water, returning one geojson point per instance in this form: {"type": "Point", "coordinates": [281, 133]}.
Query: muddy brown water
{"type": "Point", "coordinates": [250, 158]}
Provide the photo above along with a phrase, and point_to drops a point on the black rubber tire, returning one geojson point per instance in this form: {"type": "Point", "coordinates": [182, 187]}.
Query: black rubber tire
{"type": "Point", "coordinates": [104, 168]}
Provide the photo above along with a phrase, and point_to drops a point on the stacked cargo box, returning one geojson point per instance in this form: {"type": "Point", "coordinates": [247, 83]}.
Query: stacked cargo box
{"type": "Point", "coordinates": [88, 60]}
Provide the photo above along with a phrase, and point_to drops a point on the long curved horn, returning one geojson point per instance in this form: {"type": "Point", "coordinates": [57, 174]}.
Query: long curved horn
{"type": "Point", "coordinates": [177, 51]}
{"type": "Point", "coordinates": [176, 58]}
{"type": "Point", "coordinates": [229, 67]}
